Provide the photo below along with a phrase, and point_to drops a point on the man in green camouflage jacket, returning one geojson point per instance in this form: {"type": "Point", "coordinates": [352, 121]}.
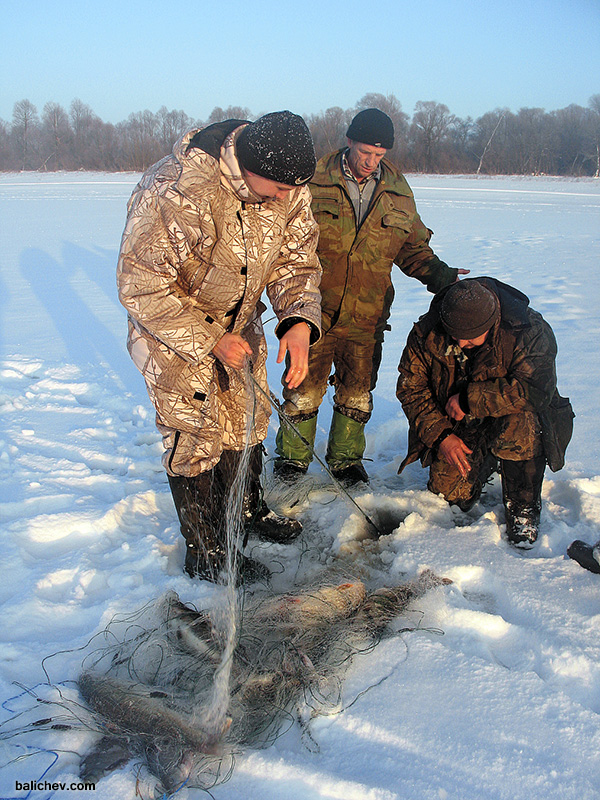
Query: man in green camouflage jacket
{"type": "Point", "coordinates": [478, 385]}
{"type": "Point", "coordinates": [368, 221]}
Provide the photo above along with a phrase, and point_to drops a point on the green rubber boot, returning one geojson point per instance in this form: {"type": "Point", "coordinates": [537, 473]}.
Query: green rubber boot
{"type": "Point", "coordinates": [345, 449]}
{"type": "Point", "coordinates": [294, 455]}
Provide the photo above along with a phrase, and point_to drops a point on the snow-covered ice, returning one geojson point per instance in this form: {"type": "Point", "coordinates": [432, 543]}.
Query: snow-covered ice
{"type": "Point", "coordinates": [495, 695]}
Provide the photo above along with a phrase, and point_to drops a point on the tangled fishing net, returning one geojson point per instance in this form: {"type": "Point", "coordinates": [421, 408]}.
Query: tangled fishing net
{"type": "Point", "coordinates": [181, 691]}
{"type": "Point", "coordinates": [149, 691]}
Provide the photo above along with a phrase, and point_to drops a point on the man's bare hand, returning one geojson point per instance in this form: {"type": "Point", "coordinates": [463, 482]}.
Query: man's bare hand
{"type": "Point", "coordinates": [232, 350]}
{"type": "Point", "coordinates": [462, 272]}
{"type": "Point", "coordinates": [295, 342]}
{"type": "Point", "coordinates": [455, 452]}
{"type": "Point", "coordinates": [453, 409]}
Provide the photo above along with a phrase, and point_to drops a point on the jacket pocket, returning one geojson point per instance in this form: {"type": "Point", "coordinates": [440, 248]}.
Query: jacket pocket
{"type": "Point", "coordinates": [325, 205]}
{"type": "Point", "coordinates": [397, 219]}
{"type": "Point", "coordinates": [193, 272]}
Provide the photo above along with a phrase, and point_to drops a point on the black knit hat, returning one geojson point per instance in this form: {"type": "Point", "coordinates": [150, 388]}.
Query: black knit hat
{"type": "Point", "coordinates": [279, 147]}
{"type": "Point", "coordinates": [372, 126]}
{"type": "Point", "coordinates": [469, 309]}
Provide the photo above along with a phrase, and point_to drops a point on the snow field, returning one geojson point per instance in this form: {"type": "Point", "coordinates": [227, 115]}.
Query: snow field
{"type": "Point", "coordinates": [489, 687]}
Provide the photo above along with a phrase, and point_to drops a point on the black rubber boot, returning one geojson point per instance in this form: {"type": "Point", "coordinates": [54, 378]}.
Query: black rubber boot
{"type": "Point", "coordinates": [205, 554]}
{"type": "Point", "coordinates": [258, 518]}
{"type": "Point", "coordinates": [200, 502]}
{"type": "Point", "coordinates": [271, 527]}
{"type": "Point", "coordinates": [584, 555]}
{"type": "Point", "coordinates": [522, 495]}
{"type": "Point", "coordinates": [351, 475]}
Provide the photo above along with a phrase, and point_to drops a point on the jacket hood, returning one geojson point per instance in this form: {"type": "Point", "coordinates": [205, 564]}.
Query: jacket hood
{"type": "Point", "coordinates": [204, 157]}
{"type": "Point", "coordinates": [212, 137]}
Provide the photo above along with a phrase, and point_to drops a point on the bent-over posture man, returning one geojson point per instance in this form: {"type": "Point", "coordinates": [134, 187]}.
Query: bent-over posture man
{"type": "Point", "coordinates": [478, 386]}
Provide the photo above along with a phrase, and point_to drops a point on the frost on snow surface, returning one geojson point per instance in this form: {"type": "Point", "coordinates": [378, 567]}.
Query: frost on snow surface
{"type": "Point", "coordinates": [488, 688]}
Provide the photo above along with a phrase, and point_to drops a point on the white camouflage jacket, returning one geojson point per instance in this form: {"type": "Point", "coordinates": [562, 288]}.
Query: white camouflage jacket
{"type": "Point", "coordinates": [196, 254]}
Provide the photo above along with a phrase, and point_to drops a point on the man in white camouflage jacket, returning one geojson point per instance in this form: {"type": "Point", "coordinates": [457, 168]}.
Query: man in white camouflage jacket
{"type": "Point", "coordinates": [209, 227]}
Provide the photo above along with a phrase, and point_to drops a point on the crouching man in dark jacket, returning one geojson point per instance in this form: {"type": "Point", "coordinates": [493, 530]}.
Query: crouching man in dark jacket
{"type": "Point", "coordinates": [478, 385]}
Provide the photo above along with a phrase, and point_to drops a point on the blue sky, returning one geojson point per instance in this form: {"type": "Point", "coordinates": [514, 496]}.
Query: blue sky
{"type": "Point", "coordinates": [121, 56]}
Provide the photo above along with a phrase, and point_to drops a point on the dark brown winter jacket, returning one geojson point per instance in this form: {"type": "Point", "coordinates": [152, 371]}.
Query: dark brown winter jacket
{"type": "Point", "coordinates": [513, 371]}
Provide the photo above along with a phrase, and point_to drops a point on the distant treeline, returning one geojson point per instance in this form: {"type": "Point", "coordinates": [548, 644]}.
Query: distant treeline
{"type": "Point", "coordinates": [528, 142]}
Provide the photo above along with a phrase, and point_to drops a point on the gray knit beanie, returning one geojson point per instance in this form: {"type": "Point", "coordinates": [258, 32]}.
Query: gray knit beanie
{"type": "Point", "coordinates": [279, 147]}
{"type": "Point", "coordinates": [469, 309]}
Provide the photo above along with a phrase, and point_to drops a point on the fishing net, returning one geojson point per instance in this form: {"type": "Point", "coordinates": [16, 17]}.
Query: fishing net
{"type": "Point", "coordinates": [154, 692]}
{"type": "Point", "coordinates": [147, 686]}
{"type": "Point", "coordinates": [180, 691]}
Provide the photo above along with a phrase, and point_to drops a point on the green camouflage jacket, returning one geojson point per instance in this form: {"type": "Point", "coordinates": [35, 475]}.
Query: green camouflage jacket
{"type": "Point", "coordinates": [513, 371]}
{"type": "Point", "coordinates": [356, 286]}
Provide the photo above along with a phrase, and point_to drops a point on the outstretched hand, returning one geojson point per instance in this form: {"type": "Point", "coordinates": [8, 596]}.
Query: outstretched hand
{"type": "Point", "coordinates": [455, 452]}
{"type": "Point", "coordinates": [296, 342]}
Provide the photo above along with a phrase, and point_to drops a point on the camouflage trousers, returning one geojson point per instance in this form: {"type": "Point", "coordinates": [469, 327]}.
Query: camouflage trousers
{"type": "Point", "coordinates": [355, 374]}
{"type": "Point", "coordinates": [516, 437]}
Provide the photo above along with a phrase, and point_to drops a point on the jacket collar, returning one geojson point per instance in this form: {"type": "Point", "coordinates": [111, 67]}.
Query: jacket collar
{"type": "Point", "coordinates": [206, 158]}
{"type": "Point", "coordinates": [231, 171]}
{"type": "Point", "coordinates": [329, 173]}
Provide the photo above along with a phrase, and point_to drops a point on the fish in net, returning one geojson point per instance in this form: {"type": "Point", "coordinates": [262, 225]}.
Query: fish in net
{"type": "Point", "coordinates": [153, 698]}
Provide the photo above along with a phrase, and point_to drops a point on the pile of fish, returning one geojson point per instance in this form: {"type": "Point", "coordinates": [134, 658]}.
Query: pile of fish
{"type": "Point", "coordinates": [151, 698]}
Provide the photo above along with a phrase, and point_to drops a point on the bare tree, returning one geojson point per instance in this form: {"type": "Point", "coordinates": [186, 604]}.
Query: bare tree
{"type": "Point", "coordinates": [56, 138]}
{"type": "Point", "coordinates": [231, 112]}
{"type": "Point", "coordinates": [530, 133]}
{"type": "Point", "coordinates": [488, 127]}
{"type": "Point", "coordinates": [82, 120]}
{"type": "Point", "coordinates": [328, 129]}
{"type": "Point", "coordinates": [140, 146]}
{"type": "Point", "coordinates": [574, 142]}
{"type": "Point", "coordinates": [103, 147]}
{"type": "Point", "coordinates": [171, 126]}
{"type": "Point", "coordinates": [24, 130]}
{"type": "Point", "coordinates": [430, 128]}
{"type": "Point", "coordinates": [460, 157]}
{"type": "Point", "coordinates": [563, 142]}
{"type": "Point", "coordinates": [595, 107]}
{"type": "Point", "coordinates": [6, 151]}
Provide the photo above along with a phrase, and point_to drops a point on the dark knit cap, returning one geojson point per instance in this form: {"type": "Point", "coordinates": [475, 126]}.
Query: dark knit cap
{"type": "Point", "coordinates": [279, 147]}
{"type": "Point", "coordinates": [372, 126]}
{"type": "Point", "coordinates": [469, 309]}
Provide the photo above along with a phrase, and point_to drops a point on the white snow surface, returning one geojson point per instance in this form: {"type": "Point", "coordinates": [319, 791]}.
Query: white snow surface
{"type": "Point", "coordinates": [495, 695]}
